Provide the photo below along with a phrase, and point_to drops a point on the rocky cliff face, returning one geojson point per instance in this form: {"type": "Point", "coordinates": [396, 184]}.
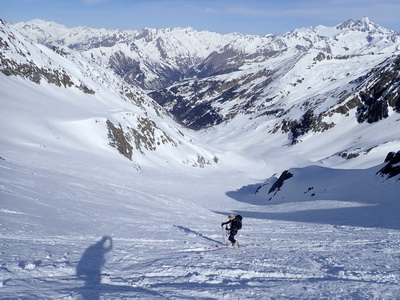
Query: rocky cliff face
{"type": "Point", "coordinates": [392, 166]}
{"type": "Point", "coordinates": [380, 92]}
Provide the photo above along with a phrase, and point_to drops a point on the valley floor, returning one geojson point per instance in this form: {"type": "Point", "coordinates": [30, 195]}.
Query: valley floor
{"type": "Point", "coordinates": [119, 234]}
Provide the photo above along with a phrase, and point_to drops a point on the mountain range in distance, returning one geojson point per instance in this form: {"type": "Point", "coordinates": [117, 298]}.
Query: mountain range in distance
{"type": "Point", "coordinates": [325, 94]}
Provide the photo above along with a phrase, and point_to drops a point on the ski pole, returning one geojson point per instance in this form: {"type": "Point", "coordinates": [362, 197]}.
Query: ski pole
{"type": "Point", "coordinates": [223, 234]}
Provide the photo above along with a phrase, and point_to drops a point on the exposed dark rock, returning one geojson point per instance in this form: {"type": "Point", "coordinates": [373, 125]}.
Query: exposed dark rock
{"type": "Point", "coordinates": [193, 112]}
{"type": "Point", "coordinates": [122, 65]}
{"type": "Point", "coordinates": [308, 122]}
{"type": "Point", "coordinates": [118, 140]}
{"type": "Point", "coordinates": [373, 110]}
{"type": "Point", "coordinates": [346, 106]}
{"type": "Point", "coordinates": [278, 184]}
{"type": "Point", "coordinates": [34, 73]}
{"type": "Point", "coordinates": [84, 88]}
{"type": "Point", "coordinates": [347, 155]}
{"type": "Point", "coordinates": [392, 167]}
{"type": "Point", "coordinates": [145, 137]}
{"type": "Point", "coordinates": [3, 44]}
{"type": "Point", "coordinates": [132, 72]}
{"type": "Point", "coordinates": [60, 51]}
{"type": "Point", "coordinates": [380, 90]}
{"type": "Point", "coordinates": [128, 68]}
{"type": "Point", "coordinates": [216, 64]}
{"type": "Point", "coordinates": [202, 116]}
{"type": "Point", "coordinates": [197, 103]}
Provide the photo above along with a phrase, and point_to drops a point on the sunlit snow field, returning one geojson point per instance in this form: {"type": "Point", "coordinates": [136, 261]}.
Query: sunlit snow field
{"type": "Point", "coordinates": [152, 234]}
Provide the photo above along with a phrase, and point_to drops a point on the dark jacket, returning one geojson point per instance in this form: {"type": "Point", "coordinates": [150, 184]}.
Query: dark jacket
{"type": "Point", "coordinates": [234, 224]}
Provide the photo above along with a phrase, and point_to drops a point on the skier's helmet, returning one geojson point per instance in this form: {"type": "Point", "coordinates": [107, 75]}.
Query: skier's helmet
{"type": "Point", "coordinates": [231, 216]}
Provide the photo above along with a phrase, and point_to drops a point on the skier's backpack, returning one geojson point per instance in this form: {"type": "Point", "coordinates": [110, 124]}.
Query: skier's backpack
{"type": "Point", "coordinates": [238, 220]}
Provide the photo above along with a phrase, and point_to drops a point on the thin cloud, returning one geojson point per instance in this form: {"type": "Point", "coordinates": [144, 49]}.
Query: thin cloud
{"type": "Point", "coordinates": [93, 1]}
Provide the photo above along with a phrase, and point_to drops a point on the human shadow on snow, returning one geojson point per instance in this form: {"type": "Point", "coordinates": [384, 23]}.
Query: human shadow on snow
{"type": "Point", "coordinates": [92, 261]}
{"type": "Point", "coordinates": [89, 269]}
{"type": "Point", "coordinates": [188, 231]}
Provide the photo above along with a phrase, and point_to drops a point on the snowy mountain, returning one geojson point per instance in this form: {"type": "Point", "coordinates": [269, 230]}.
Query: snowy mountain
{"type": "Point", "coordinates": [88, 99]}
{"type": "Point", "coordinates": [105, 193]}
{"type": "Point", "coordinates": [298, 79]}
{"type": "Point", "coordinates": [271, 75]}
{"type": "Point", "coordinates": [150, 58]}
{"type": "Point", "coordinates": [308, 88]}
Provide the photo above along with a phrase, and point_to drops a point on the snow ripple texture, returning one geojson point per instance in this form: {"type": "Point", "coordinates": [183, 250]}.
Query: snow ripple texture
{"type": "Point", "coordinates": [158, 243]}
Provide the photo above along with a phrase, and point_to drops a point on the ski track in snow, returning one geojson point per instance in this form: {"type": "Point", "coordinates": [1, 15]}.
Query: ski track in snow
{"type": "Point", "coordinates": [161, 253]}
{"type": "Point", "coordinates": [312, 265]}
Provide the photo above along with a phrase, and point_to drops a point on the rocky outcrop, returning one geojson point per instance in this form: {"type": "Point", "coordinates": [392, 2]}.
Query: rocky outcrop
{"type": "Point", "coordinates": [125, 66]}
{"type": "Point", "coordinates": [392, 167]}
{"type": "Point", "coordinates": [34, 73]}
{"type": "Point", "coordinates": [118, 140]}
{"type": "Point", "coordinates": [278, 184]}
{"type": "Point", "coordinates": [308, 122]}
{"type": "Point", "coordinates": [133, 72]}
{"type": "Point", "coordinates": [380, 90]}
{"type": "Point", "coordinates": [147, 136]}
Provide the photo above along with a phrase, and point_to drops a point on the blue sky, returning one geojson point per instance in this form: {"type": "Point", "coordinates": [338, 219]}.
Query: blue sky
{"type": "Point", "coordinates": [223, 16]}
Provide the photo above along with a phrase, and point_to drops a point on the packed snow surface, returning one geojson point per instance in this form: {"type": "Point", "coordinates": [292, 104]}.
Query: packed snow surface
{"type": "Point", "coordinates": [78, 227]}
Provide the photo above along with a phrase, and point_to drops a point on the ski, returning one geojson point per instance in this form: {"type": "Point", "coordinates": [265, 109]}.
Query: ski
{"type": "Point", "coordinates": [221, 246]}
{"type": "Point", "coordinates": [228, 246]}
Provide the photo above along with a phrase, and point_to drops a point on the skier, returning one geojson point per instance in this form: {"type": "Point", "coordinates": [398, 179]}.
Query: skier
{"type": "Point", "coordinates": [235, 225]}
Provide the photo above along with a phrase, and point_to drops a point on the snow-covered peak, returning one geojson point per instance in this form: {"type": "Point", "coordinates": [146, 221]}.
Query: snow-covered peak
{"type": "Point", "coordinates": [51, 33]}
{"type": "Point", "coordinates": [75, 37]}
{"type": "Point", "coordinates": [361, 25]}
{"type": "Point", "coordinates": [42, 26]}
{"type": "Point", "coordinates": [175, 42]}
{"type": "Point", "coordinates": [155, 53]}
{"type": "Point", "coordinates": [360, 37]}
{"type": "Point", "coordinates": [155, 58]}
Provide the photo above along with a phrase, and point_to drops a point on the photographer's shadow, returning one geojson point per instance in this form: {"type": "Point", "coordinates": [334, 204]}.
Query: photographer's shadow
{"type": "Point", "coordinates": [90, 265]}
{"type": "Point", "coordinates": [89, 269]}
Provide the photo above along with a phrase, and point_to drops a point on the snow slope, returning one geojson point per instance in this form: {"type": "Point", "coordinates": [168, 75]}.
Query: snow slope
{"type": "Point", "coordinates": [59, 198]}
{"type": "Point", "coordinates": [160, 227]}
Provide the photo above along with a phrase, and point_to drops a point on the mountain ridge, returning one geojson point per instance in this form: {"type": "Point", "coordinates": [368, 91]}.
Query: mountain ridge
{"type": "Point", "coordinates": [294, 87]}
